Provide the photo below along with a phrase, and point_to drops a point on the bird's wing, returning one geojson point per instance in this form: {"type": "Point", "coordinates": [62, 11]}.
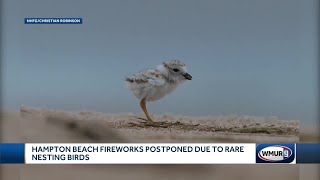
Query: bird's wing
{"type": "Point", "coordinates": [152, 77]}
{"type": "Point", "coordinates": [155, 78]}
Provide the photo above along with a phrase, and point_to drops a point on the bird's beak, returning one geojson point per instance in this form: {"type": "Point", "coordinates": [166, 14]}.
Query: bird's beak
{"type": "Point", "coordinates": [187, 76]}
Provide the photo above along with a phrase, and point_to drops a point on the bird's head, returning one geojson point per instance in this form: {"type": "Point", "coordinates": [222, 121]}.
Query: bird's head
{"type": "Point", "coordinates": [174, 70]}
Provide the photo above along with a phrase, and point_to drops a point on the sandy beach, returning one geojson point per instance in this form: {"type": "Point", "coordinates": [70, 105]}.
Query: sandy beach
{"type": "Point", "coordinates": [53, 126]}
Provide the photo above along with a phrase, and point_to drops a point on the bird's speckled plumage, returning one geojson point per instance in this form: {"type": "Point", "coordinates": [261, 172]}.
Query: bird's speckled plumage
{"type": "Point", "coordinates": [154, 84]}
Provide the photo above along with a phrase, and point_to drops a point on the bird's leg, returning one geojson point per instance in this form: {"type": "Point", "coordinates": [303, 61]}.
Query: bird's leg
{"type": "Point", "coordinates": [144, 108]}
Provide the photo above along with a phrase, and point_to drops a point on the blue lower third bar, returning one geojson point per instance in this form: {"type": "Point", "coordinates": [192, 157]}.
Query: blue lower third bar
{"type": "Point", "coordinates": [308, 153]}
{"type": "Point", "coordinates": [11, 153]}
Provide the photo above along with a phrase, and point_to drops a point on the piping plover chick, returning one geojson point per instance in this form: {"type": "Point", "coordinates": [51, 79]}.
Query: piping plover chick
{"type": "Point", "coordinates": [154, 84]}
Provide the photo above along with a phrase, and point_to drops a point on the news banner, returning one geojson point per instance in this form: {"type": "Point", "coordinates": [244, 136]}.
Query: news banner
{"type": "Point", "coordinates": [158, 153]}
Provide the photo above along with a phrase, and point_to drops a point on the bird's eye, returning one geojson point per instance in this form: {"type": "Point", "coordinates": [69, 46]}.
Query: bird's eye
{"type": "Point", "coordinates": [175, 70]}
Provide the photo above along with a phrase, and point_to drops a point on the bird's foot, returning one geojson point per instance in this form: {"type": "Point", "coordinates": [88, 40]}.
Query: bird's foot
{"type": "Point", "coordinates": [142, 120]}
{"type": "Point", "coordinates": [150, 123]}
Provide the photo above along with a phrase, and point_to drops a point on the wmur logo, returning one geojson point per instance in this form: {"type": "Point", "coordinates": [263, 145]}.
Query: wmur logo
{"type": "Point", "coordinates": [275, 153]}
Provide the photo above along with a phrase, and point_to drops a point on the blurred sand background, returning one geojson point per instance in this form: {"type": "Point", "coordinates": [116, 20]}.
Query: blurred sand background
{"type": "Point", "coordinates": [35, 125]}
